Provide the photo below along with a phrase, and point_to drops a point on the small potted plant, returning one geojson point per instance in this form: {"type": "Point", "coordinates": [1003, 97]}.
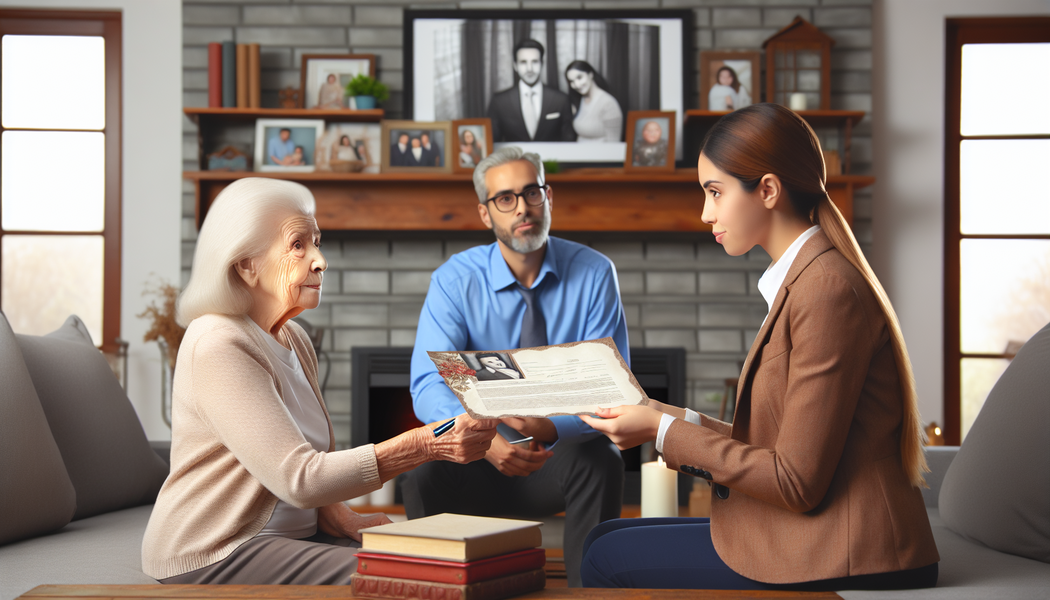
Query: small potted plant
{"type": "Point", "coordinates": [367, 91]}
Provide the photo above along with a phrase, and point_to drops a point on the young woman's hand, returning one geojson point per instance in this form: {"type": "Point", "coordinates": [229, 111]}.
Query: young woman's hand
{"type": "Point", "coordinates": [338, 520]}
{"type": "Point", "coordinates": [626, 426]}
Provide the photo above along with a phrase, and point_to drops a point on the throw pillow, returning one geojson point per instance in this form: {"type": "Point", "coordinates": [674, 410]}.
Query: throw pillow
{"type": "Point", "coordinates": [996, 491]}
{"type": "Point", "coordinates": [105, 450]}
{"type": "Point", "coordinates": [36, 496]}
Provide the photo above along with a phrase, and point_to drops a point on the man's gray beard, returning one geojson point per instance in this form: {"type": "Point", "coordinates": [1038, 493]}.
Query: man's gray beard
{"type": "Point", "coordinates": [528, 244]}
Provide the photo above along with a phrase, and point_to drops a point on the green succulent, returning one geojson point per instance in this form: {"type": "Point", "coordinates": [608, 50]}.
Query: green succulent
{"type": "Point", "coordinates": [365, 85]}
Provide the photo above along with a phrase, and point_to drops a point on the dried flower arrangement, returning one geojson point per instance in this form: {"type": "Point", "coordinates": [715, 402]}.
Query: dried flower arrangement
{"type": "Point", "coordinates": [162, 318]}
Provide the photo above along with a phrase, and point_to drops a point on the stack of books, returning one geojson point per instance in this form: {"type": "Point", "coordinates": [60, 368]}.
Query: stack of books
{"type": "Point", "coordinates": [233, 75]}
{"type": "Point", "coordinates": [452, 557]}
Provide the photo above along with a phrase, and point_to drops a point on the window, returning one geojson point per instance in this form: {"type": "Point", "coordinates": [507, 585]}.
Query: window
{"type": "Point", "coordinates": [60, 126]}
{"type": "Point", "coordinates": [997, 214]}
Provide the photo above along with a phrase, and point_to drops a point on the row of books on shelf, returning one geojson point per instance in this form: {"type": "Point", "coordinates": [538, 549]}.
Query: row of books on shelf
{"type": "Point", "coordinates": [450, 556]}
{"type": "Point", "coordinates": [233, 75]}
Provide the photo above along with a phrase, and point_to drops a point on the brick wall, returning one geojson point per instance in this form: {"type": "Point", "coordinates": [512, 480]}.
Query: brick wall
{"type": "Point", "coordinates": [679, 290]}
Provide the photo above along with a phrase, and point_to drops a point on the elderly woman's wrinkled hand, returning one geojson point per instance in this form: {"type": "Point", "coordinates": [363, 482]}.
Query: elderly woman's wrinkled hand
{"type": "Point", "coordinates": [466, 442]}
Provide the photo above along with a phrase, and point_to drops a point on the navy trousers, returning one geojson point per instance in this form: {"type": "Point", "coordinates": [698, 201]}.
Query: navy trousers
{"type": "Point", "coordinates": [677, 553]}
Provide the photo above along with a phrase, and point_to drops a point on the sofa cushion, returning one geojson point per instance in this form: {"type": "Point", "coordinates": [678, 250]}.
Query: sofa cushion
{"type": "Point", "coordinates": [106, 453]}
{"type": "Point", "coordinates": [36, 496]}
{"type": "Point", "coordinates": [996, 490]}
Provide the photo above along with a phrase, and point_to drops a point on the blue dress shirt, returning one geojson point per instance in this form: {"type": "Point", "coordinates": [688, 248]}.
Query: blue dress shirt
{"type": "Point", "coordinates": [474, 304]}
{"type": "Point", "coordinates": [279, 149]}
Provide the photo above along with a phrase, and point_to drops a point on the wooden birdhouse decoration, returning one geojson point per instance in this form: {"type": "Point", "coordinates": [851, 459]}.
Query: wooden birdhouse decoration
{"type": "Point", "coordinates": [798, 67]}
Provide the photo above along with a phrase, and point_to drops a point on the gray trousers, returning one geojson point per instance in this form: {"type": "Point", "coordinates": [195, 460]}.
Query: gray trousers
{"type": "Point", "coordinates": [274, 560]}
{"type": "Point", "coordinates": [584, 480]}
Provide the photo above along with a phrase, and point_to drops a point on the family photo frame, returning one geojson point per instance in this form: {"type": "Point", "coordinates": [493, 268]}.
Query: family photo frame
{"type": "Point", "coordinates": [288, 145]}
{"type": "Point", "coordinates": [729, 80]}
{"type": "Point", "coordinates": [581, 73]}
{"type": "Point", "coordinates": [416, 146]}
{"type": "Point", "coordinates": [473, 139]}
{"type": "Point", "coordinates": [650, 142]}
{"type": "Point", "coordinates": [323, 78]}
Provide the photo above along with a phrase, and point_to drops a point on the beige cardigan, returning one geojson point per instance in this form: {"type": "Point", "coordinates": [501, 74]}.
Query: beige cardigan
{"type": "Point", "coordinates": [235, 449]}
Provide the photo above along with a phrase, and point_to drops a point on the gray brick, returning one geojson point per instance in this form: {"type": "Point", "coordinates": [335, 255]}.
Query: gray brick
{"type": "Point", "coordinates": [210, 15]}
{"type": "Point", "coordinates": [194, 79]}
{"type": "Point", "coordinates": [781, 17]}
{"type": "Point", "coordinates": [380, 37]}
{"type": "Point", "coordinates": [620, 250]}
{"type": "Point", "coordinates": [712, 369]}
{"type": "Point", "coordinates": [320, 316]}
{"type": "Point", "coordinates": [297, 15]}
{"type": "Point", "coordinates": [720, 341]}
{"type": "Point", "coordinates": [669, 251]}
{"type": "Point", "coordinates": [631, 282]}
{"type": "Point", "coordinates": [405, 314]}
{"type": "Point", "coordinates": [297, 53]}
{"type": "Point", "coordinates": [701, 16]}
{"type": "Point", "coordinates": [276, 58]}
{"type": "Point", "coordinates": [394, 80]}
{"type": "Point", "coordinates": [359, 250]}
{"type": "Point", "coordinates": [850, 81]}
{"type": "Point", "coordinates": [187, 249]}
{"type": "Point", "coordinates": [345, 339]}
{"type": "Point", "coordinates": [723, 282]}
{"type": "Point", "coordinates": [202, 36]}
{"type": "Point", "coordinates": [386, 58]}
{"type": "Point", "coordinates": [669, 315]}
{"type": "Point", "coordinates": [736, 17]}
{"type": "Point", "coordinates": [550, 4]}
{"type": "Point", "coordinates": [457, 246]}
{"type": "Point", "coordinates": [752, 283]}
{"type": "Point", "coordinates": [371, 315]}
{"type": "Point", "coordinates": [677, 283]}
{"type": "Point", "coordinates": [337, 400]}
{"type": "Point", "coordinates": [846, 2]}
{"type": "Point", "coordinates": [410, 282]}
{"type": "Point", "coordinates": [414, 252]}
{"type": "Point", "coordinates": [847, 39]}
{"type": "Point", "coordinates": [633, 314]}
{"type": "Point", "coordinates": [670, 338]}
{"type": "Point", "coordinates": [339, 377]}
{"type": "Point", "coordinates": [850, 60]}
{"type": "Point", "coordinates": [184, 278]}
{"type": "Point", "coordinates": [189, 229]}
{"type": "Point", "coordinates": [851, 102]}
{"type": "Point", "coordinates": [742, 38]}
{"type": "Point", "coordinates": [195, 58]}
{"type": "Point", "coordinates": [599, 4]}
{"type": "Point", "coordinates": [189, 147]}
{"type": "Point", "coordinates": [749, 337]}
{"type": "Point", "coordinates": [759, 255]}
{"type": "Point", "coordinates": [842, 17]}
{"type": "Point", "coordinates": [234, 1]}
{"type": "Point", "coordinates": [293, 36]}
{"type": "Point", "coordinates": [333, 281]}
{"type": "Point", "coordinates": [402, 338]}
{"type": "Point", "coordinates": [732, 315]}
{"type": "Point", "coordinates": [271, 79]}
{"type": "Point", "coordinates": [366, 282]}
{"type": "Point", "coordinates": [489, 4]}
{"type": "Point", "coordinates": [378, 15]}
{"type": "Point", "coordinates": [705, 39]}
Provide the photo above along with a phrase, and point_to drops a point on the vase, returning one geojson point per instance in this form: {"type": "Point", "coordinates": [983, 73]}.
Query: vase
{"type": "Point", "coordinates": [365, 102]}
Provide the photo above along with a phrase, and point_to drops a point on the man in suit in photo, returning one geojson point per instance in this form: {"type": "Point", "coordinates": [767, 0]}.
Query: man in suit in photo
{"type": "Point", "coordinates": [399, 152]}
{"type": "Point", "coordinates": [530, 111]}
{"type": "Point", "coordinates": [432, 156]}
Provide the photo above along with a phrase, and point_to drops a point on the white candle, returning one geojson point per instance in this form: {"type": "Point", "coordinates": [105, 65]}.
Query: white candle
{"type": "Point", "coordinates": [384, 496]}
{"type": "Point", "coordinates": [659, 490]}
{"type": "Point", "coordinates": [797, 101]}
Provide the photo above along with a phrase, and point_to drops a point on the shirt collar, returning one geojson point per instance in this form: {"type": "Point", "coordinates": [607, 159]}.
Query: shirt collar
{"type": "Point", "coordinates": [771, 281]}
{"type": "Point", "coordinates": [500, 276]}
{"type": "Point", "coordinates": [524, 88]}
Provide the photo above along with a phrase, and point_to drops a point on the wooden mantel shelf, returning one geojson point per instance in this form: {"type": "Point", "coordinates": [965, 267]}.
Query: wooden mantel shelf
{"type": "Point", "coordinates": [583, 199]}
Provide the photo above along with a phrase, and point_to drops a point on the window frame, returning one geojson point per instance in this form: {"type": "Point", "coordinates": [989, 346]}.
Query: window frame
{"type": "Point", "coordinates": [959, 32]}
{"type": "Point", "coordinates": [108, 25]}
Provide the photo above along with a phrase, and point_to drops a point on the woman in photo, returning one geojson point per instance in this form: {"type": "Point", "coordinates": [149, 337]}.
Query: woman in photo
{"type": "Point", "coordinates": [816, 482]}
{"type": "Point", "coordinates": [330, 95]}
{"type": "Point", "coordinates": [599, 117]}
{"type": "Point", "coordinates": [344, 149]}
{"type": "Point", "coordinates": [469, 149]}
{"type": "Point", "coordinates": [727, 93]}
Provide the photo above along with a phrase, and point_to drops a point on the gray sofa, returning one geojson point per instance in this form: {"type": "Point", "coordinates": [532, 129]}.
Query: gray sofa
{"type": "Point", "coordinates": [51, 475]}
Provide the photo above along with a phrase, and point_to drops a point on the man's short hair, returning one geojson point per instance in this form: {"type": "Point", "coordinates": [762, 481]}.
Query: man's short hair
{"type": "Point", "coordinates": [500, 157]}
{"type": "Point", "coordinates": [283, 129]}
{"type": "Point", "coordinates": [529, 43]}
{"type": "Point", "coordinates": [490, 355]}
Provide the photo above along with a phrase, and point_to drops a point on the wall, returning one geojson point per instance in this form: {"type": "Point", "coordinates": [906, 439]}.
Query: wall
{"type": "Point", "coordinates": [908, 241]}
{"type": "Point", "coordinates": [678, 290]}
{"type": "Point", "coordinates": [150, 176]}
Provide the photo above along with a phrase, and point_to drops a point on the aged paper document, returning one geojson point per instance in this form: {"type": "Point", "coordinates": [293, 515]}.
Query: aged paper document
{"type": "Point", "coordinates": [567, 379]}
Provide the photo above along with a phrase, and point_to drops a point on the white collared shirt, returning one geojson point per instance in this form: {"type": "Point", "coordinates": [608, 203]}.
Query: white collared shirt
{"type": "Point", "coordinates": [768, 285]}
{"type": "Point", "coordinates": [536, 98]}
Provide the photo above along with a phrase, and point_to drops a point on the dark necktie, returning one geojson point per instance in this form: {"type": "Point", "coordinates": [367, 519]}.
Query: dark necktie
{"type": "Point", "coordinates": [533, 327]}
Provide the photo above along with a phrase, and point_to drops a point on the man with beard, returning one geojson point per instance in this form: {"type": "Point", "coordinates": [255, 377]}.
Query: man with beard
{"type": "Point", "coordinates": [526, 289]}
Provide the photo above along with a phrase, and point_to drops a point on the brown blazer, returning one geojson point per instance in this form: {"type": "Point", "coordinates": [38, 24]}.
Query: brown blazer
{"type": "Point", "coordinates": [810, 469]}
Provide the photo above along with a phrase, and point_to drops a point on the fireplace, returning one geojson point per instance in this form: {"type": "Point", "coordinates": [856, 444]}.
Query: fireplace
{"type": "Point", "coordinates": [381, 405]}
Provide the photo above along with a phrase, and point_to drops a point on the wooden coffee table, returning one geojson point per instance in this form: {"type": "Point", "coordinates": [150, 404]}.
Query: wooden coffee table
{"type": "Point", "coordinates": [328, 592]}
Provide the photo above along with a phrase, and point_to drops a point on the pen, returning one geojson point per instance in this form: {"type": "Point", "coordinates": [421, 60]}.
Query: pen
{"type": "Point", "coordinates": [444, 427]}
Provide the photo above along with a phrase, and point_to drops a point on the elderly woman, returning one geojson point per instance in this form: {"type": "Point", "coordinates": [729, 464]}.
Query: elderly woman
{"type": "Point", "coordinates": [256, 490]}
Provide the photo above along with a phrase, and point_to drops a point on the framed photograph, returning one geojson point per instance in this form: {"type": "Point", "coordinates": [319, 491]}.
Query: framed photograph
{"type": "Point", "coordinates": [287, 144]}
{"type": "Point", "coordinates": [728, 80]}
{"type": "Point", "coordinates": [473, 140]}
{"type": "Point", "coordinates": [323, 78]}
{"type": "Point", "coordinates": [651, 141]}
{"type": "Point", "coordinates": [350, 148]}
{"type": "Point", "coordinates": [416, 147]}
{"type": "Point", "coordinates": [556, 82]}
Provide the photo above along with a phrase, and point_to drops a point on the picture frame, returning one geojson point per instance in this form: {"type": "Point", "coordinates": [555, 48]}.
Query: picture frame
{"type": "Point", "coordinates": [394, 160]}
{"type": "Point", "coordinates": [745, 87]}
{"type": "Point", "coordinates": [642, 56]}
{"type": "Point", "coordinates": [350, 148]}
{"type": "Point", "coordinates": [469, 153]}
{"type": "Point", "coordinates": [318, 69]}
{"type": "Point", "coordinates": [302, 133]}
{"type": "Point", "coordinates": [651, 141]}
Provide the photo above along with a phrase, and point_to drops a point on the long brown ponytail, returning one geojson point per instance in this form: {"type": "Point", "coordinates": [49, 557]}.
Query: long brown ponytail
{"type": "Point", "coordinates": [768, 138]}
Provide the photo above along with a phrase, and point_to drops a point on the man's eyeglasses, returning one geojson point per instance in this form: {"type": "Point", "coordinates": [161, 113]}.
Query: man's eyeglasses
{"type": "Point", "coordinates": [508, 201]}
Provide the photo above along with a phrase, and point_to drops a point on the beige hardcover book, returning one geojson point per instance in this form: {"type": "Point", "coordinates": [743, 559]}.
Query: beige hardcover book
{"type": "Point", "coordinates": [460, 538]}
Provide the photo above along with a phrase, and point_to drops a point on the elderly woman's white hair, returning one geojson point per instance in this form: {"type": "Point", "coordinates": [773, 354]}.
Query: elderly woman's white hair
{"type": "Point", "coordinates": [241, 223]}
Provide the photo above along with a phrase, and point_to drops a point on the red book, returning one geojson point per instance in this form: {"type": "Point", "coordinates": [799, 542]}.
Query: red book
{"type": "Point", "coordinates": [214, 75]}
{"type": "Point", "coordinates": [370, 586]}
{"type": "Point", "coordinates": [444, 571]}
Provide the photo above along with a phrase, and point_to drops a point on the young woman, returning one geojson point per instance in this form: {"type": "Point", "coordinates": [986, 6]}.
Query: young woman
{"type": "Point", "coordinates": [816, 482]}
{"type": "Point", "coordinates": [599, 117]}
